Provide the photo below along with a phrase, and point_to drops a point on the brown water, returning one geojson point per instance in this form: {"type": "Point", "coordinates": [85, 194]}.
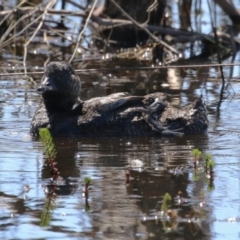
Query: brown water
{"type": "Point", "coordinates": [116, 209]}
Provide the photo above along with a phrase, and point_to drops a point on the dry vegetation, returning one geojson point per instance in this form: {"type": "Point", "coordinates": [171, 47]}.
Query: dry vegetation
{"type": "Point", "coordinates": [37, 31]}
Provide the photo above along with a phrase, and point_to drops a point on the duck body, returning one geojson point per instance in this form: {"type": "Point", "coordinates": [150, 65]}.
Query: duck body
{"type": "Point", "coordinates": [116, 115]}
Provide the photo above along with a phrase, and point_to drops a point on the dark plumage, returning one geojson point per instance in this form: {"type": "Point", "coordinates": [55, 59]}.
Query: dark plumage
{"type": "Point", "coordinates": [116, 115]}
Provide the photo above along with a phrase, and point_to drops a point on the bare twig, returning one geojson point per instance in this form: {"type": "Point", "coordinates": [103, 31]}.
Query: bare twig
{"type": "Point", "coordinates": [114, 22]}
{"type": "Point", "coordinates": [83, 29]}
{"type": "Point", "coordinates": [182, 35]}
{"type": "Point", "coordinates": [49, 5]}
{"type": "Point", "coordinates": [13, 10]}
{"type": "Point", "coordinates": [145, 29]}
{"type": "Point", "coordinates": [11, 27]}
{"type": "Point", "coordinates": [66, 38]}
{"type": "Point", "coordinates": [76, 4]}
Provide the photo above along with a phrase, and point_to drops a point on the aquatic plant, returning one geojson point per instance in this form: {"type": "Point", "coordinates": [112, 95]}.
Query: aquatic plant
{"type": "Point", "coordinates": [211, 186]}
{"type": "Point", "coordinates": [87, 181]}
{"type": "Point", "coordinates": [207, 158]}
{"type": "Point", "coordinates": [127, 177]}
{"type": "Point", "coordinates": [48, 145]}
{"type": "Point", "coordinates": [195, 176]}
{"type": "Point", "coordinates": [47, 210]}
{"type": "Point", "coordinates": [169, 223]}
{"type": "Point", "coordinates": [167, 199]}
{"type": "Point", "coordinates": [197, 154]}
{"type": "Point", "coordinates": [49, 151]}
{"type": "Point", "coordinates": [210, 164]}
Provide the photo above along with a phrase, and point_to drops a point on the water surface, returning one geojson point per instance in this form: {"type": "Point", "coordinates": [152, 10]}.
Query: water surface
{"type": "Point", "coordinates": [116, 209]}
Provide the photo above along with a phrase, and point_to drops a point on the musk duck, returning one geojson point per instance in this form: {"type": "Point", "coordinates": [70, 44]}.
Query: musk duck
{"type": "Point", "coordinates": [115, 115]}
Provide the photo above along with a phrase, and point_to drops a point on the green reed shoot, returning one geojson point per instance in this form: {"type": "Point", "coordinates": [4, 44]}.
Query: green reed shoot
{"type": "Point", "coordinates": [209, 162]}
{"type": "Point", "coordinates": [47, 213]}
{"type": "Point", "coordinates": [197, 154]}
{"type": "Point", "coordinates": [48, 145]}
{"type": "Point", "coordinates": [49, 151]}
{"type": "Point", "coordinates": [167, 199]}
{"type": "Point", "coordinates": [87, 181]}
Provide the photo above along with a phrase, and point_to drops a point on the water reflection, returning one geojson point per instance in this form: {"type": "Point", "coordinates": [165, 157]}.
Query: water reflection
{"type": "Point", "coordinates": [116, 209]}
{"type": "Point", "coordinates": [106, 162]}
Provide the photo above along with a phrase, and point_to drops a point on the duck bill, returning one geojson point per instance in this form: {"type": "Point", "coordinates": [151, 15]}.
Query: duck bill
{"type": "Point", "coordinates": [47, 85]}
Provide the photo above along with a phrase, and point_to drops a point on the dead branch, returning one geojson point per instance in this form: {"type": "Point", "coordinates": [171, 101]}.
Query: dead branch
{"type": "Point", "coordinates": [49, 5]}
{"type": "Point", "coordinates": [83, 29]}
{"type": "Point", "coordinates": [14, 24]}
{"type": "Point", "coordinates": [229, 8]}
{"type": "Point", "coordinates": [76, 5]}
{"type": "Point", "coordinates": [183, 36]}
{"type": "Point", "coordinates": [145, 29]}
{"type": "Point", "coordinates": [40, 14]}
{"type": "Point", "coordinates": [12, 11]}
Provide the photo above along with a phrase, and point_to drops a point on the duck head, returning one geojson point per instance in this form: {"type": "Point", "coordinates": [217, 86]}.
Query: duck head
{"type": "Point", "coordinates": [60, 86]}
